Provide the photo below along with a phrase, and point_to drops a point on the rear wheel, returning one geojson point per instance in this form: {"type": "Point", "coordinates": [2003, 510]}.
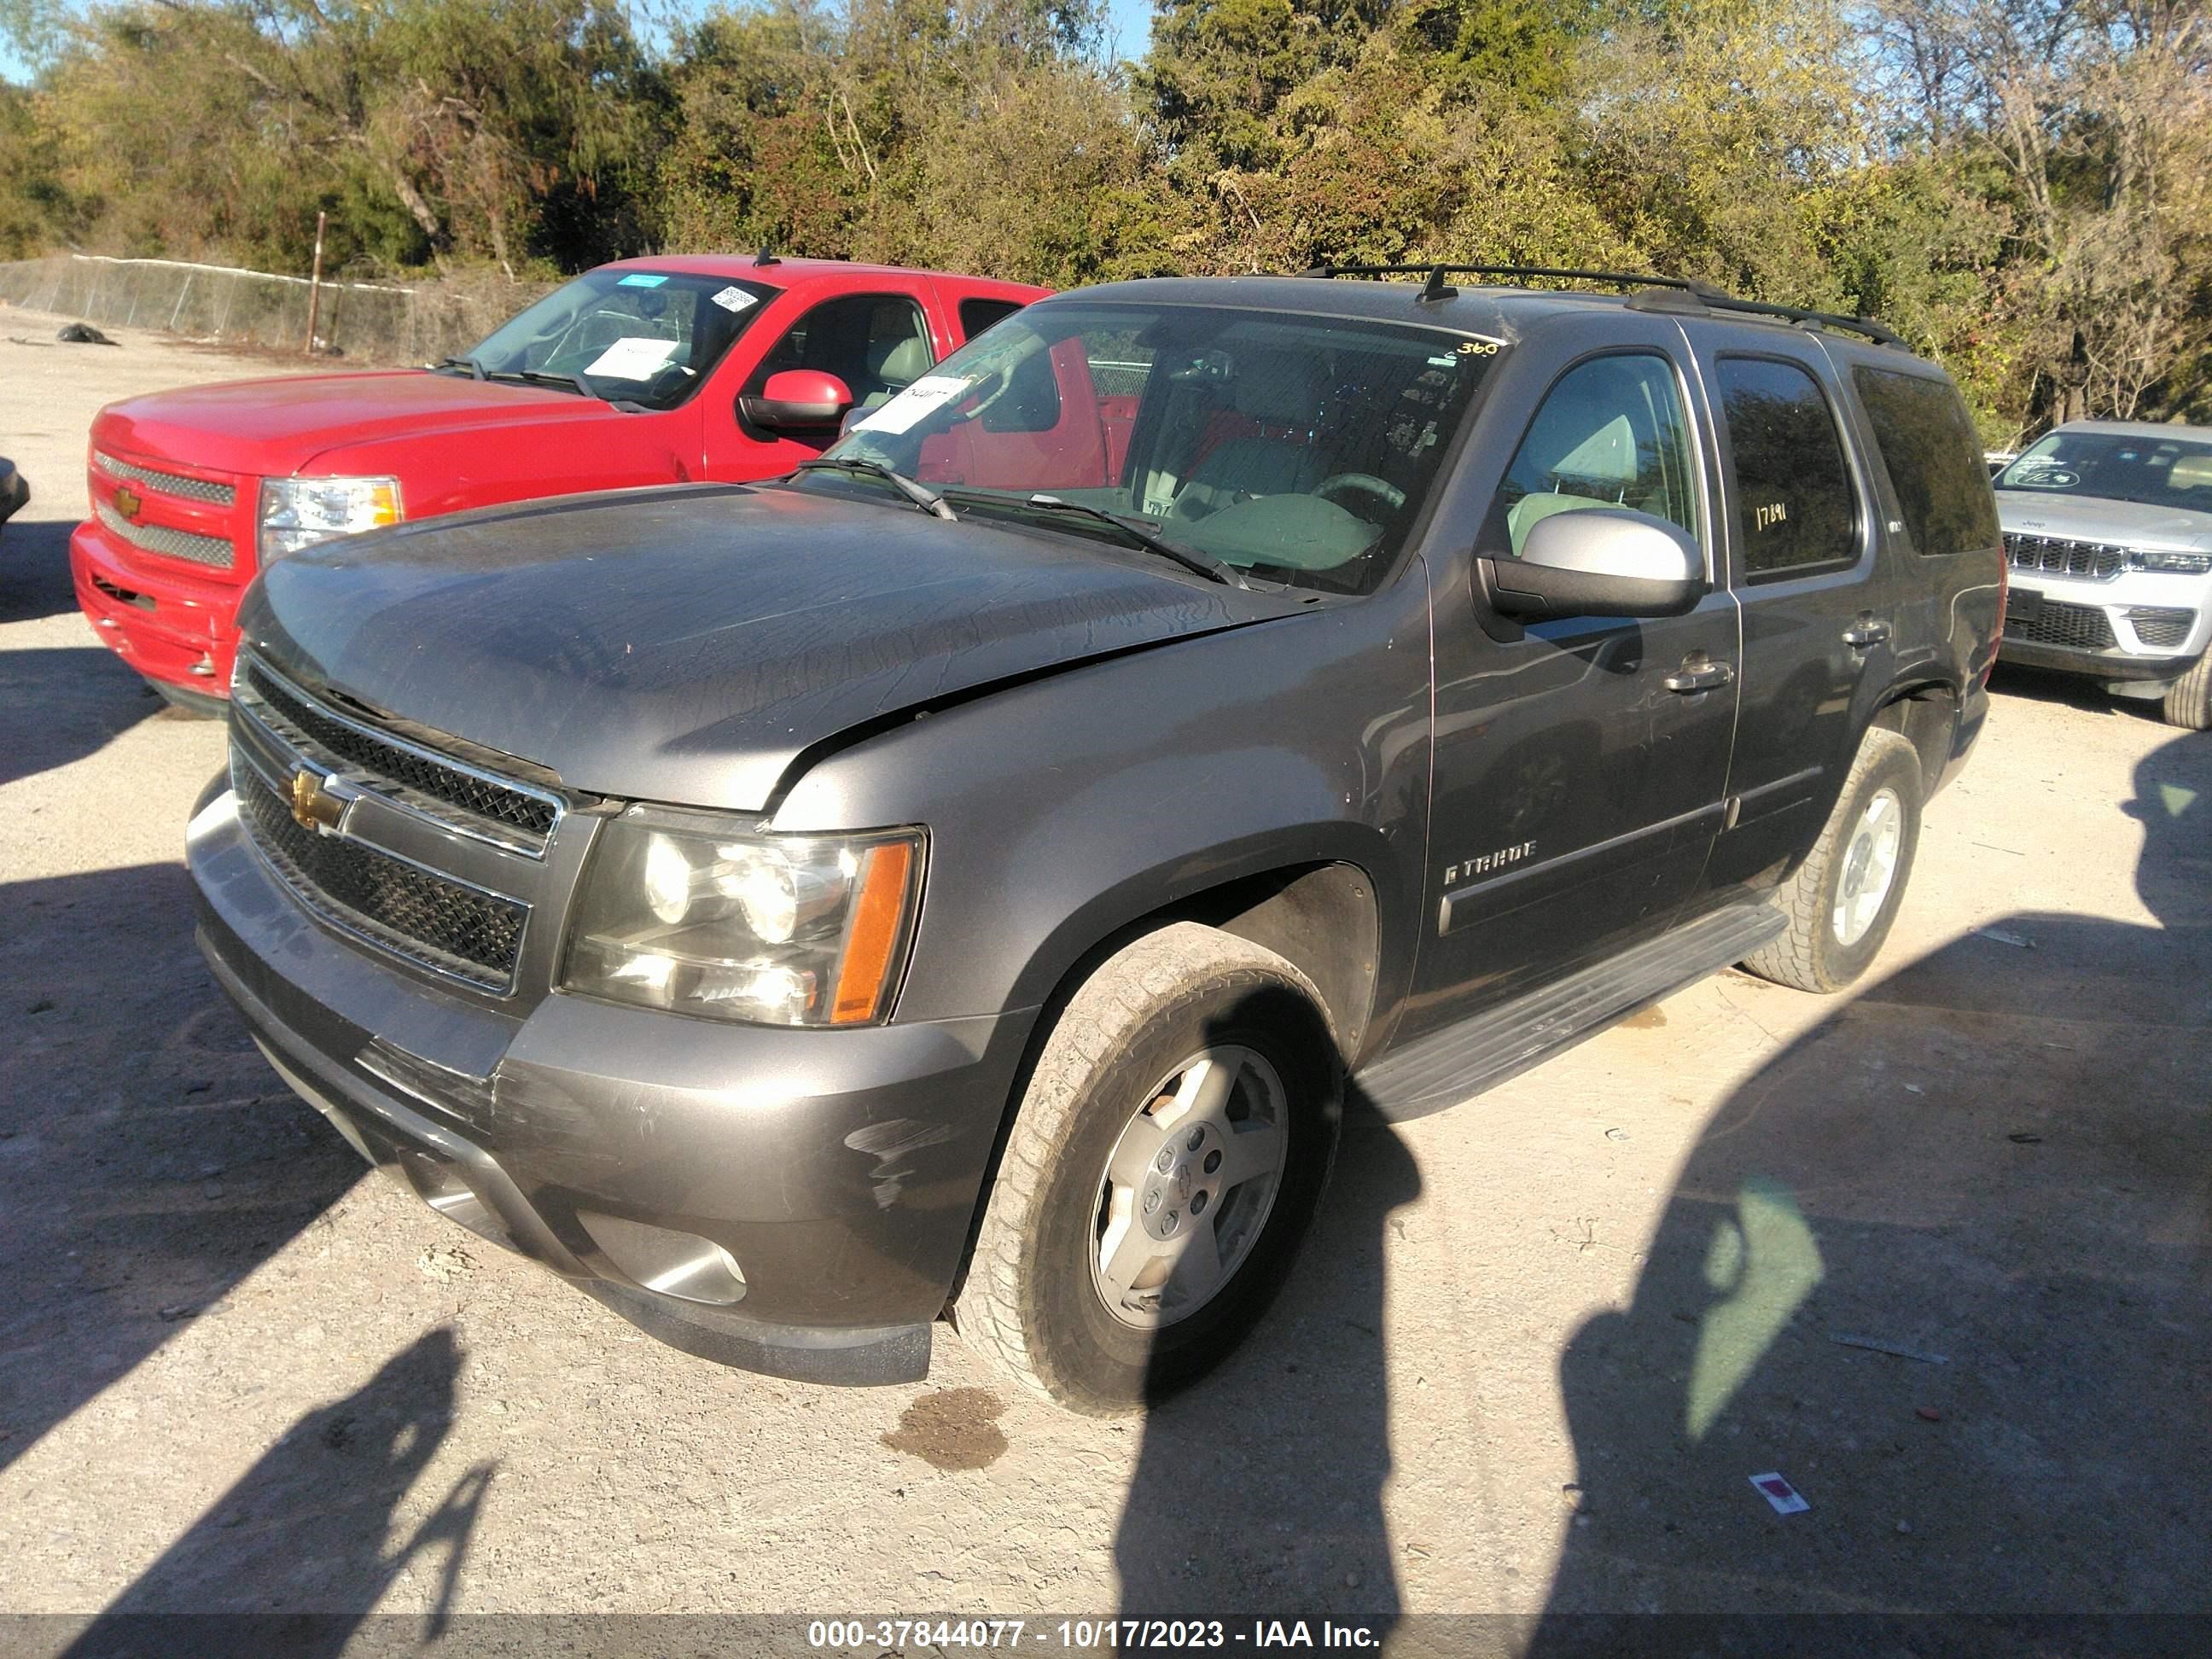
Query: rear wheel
{"type": "Point", "coordinates": [1842, 901]}
{"type": "Point", "coordinates": [2189, 699]}
{"type": "Point", "coordinates": [1165, 1163]}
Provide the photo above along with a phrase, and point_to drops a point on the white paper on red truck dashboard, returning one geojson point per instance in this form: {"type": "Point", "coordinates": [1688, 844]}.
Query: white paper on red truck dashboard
{"type": "Point", "coordinates": [930, 392]}
{"type": "Point", "coordinates": [634, 359]}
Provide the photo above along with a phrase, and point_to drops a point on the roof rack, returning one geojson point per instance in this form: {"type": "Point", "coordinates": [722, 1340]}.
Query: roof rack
{"type": "Point", "coordinates": [1681, 294]}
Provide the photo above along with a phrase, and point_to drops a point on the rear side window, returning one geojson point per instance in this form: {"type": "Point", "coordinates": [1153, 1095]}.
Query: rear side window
{"type": "Point", "coordinates": [1795, 505]}
{"type": "Point", "coordinates": [1928, 444]}
{"type": "Point", "coordinates": [976, 315]}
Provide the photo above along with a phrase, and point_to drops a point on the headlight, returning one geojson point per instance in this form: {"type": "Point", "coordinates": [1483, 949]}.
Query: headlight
{"type": "Point", "coordinates": [2177, 564]}
{"type": "Point", "coordinates": [297, 512]}
{"type": "Point", "coordinates": [686, 912]}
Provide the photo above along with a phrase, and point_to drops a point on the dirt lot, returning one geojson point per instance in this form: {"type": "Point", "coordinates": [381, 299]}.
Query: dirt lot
{"type": "Point", "coordinates": [1538, 1348]}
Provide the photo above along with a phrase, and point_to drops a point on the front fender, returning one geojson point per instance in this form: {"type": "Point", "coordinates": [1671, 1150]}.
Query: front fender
{"type": "Point", "coordinates": [1061, 811]}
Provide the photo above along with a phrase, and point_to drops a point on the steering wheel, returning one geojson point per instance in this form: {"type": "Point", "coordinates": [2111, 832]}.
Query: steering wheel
{"type": "Point", "coordinates": [1363, 484]}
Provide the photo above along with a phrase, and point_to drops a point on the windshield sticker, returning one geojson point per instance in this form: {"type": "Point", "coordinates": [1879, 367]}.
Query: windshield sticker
{"type": "Point", "coordinates": [926, 395]}
{"type": "Point", "coordinates": [641, 279]}
{"type": "Point", "coordinates": [732, 298]}
{"type": "Point", "coordinates": [634, 359]}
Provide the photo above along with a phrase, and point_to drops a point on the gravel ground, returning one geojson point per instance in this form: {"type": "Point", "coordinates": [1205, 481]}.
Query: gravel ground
{"type": "Point", "coordinates": [1536, 1351]}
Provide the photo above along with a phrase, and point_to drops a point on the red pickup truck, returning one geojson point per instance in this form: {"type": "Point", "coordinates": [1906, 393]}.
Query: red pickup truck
{"type": "Point", "coordinates": [645, 371]}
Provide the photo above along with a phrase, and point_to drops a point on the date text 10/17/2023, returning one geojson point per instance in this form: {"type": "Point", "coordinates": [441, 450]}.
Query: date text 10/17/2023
{"type": "Point", "coordinates": [1090, 1635]}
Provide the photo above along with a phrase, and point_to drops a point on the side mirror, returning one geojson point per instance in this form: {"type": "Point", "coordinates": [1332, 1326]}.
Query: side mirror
{"type": "Point", "coordinates": [1597, 561]}
{"type": "Point", "coordinates": [798, 399]}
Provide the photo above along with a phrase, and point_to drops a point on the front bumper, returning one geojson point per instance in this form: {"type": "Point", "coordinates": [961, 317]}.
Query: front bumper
{"type": "Point", "coordinates": [796, 1202]}
{"type": "Point", "coordinates": [2137, 632]}
{"type": "Point", "coordinates": [178, 628]}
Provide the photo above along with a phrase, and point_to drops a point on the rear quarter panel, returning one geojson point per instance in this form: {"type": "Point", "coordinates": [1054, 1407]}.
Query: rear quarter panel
{"type": "Point", "coordinates": [1946, 607]}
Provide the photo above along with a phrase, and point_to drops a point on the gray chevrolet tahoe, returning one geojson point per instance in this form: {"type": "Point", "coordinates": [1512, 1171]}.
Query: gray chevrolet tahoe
{"type": "Point", "coordinates": [2108, 525]}
{"type": "Point", "coordinates": [971, 875]}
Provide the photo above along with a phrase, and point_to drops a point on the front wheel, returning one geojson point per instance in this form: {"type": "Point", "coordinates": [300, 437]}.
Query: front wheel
{"type": "Point", "coordinates": [1164, 1165]}
{"type": "Point", "coordinates": [1842, 901]}
{"type": "Point", "coordinates": [2189, 699]}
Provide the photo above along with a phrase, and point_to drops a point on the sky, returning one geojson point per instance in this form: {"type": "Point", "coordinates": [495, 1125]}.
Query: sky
{"type": "Point", "coordinates": [1132, 26]}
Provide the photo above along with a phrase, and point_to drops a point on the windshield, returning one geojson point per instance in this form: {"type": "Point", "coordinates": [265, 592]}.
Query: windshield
{"type": "Point", "coordinates": [2117, 466]}
{"type": "Point", "coordinates": [1299, 449]}
{"type": "Point", "coordinates": [642, 337]}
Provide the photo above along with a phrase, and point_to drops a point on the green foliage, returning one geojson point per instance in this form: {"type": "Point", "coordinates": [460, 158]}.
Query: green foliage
{"type": "Point", "coordinates": [2020, 185]}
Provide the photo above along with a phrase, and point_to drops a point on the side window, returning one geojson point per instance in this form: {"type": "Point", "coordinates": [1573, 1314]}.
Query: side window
{"type": "Point", "coordinates": [877, 343]}
{"type": "Point", "coordinates": [976, 315]}
{"type": "Point", "coordinates": [1610, 433]}
{"type": "Point", "coordinates": [1796, 506]}
{"type": "Point", "coordinates": [1933, 456]}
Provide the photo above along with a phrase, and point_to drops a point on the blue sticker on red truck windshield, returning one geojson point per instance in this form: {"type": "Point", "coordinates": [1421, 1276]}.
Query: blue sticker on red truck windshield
{"type": "Point", "coordinates": [641, 279]}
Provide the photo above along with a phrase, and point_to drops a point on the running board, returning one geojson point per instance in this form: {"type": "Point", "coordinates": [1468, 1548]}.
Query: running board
{"type": "Point", "coordinates": [1447, 1067]}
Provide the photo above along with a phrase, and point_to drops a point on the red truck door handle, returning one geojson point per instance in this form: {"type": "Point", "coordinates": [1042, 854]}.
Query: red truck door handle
{"type": "Point", "coordinates": [1699, 673]}
{"type": "Point", "coordinates": [1865, 633]}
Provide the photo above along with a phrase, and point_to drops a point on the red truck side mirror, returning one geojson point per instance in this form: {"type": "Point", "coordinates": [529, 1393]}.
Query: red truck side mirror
{"type": "Point", "coordinates": [798, 399]}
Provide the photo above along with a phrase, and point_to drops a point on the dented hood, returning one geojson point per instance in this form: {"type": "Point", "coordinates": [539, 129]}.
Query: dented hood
{"type": "Point", "coordinates": [688, 644]}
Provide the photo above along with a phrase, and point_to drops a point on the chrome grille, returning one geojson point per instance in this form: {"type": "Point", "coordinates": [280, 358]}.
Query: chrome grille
{"type": "Point", "coordinates": [411, 912]}
{"type": "Point", "coordinates": [2161, 628]}
{"type": "Point", "coordinates": [169, 483]}
{"type": "Point", "coordinates": [211, 550]}
{"type": "Point", "coordinates": [515, 816]}
{"type": "Point", "coordinates": [2096, 561]}
{"type": "Point", "coordinates": [2083, 627]}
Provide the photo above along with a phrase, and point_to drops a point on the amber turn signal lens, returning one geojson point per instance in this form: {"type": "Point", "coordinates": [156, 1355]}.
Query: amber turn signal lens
{"type": "Point", "coordinates": [872, 945]}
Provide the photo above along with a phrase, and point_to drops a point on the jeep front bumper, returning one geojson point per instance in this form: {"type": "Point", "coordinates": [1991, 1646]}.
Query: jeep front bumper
{"type": "Point", "coordinates": [2138, 633]}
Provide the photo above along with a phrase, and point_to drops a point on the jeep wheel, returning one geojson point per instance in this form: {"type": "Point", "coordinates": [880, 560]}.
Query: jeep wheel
{"type": "Point", "coordinates": [1167, 1159]}
{"type": "Point", "coordinates": [2189, 699]}
{"type": "Point", "coordinates": [1842, 901]}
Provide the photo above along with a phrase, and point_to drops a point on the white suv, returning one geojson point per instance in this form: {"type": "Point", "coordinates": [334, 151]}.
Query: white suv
{"type": "Point", "coordinates": [2108, 526]}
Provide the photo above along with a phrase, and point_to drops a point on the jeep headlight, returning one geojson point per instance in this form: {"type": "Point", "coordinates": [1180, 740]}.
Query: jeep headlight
{"type": "Point", "coordinates": [691, 913]}
{"type": "Point", "coordinates": [2174, 564]}
{"type": "Point", "coordinates": [297, 512]}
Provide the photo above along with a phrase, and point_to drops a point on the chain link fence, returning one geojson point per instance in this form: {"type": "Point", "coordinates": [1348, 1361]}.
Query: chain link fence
{"type": "Point", "coordinates": [370, 322]}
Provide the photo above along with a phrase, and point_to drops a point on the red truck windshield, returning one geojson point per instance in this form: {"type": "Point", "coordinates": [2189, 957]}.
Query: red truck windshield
{"type": "Point", "coordinates": [646, 337]}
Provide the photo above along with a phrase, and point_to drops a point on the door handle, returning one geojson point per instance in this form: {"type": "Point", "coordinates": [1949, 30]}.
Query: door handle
{"type": "Point", "coordinates": [1866, 633]}
{"type": "Point", "coordinates": [1698, 673]}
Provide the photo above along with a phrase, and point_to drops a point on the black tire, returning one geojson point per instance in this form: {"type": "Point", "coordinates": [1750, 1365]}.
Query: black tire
{"type": "Point", "coordinates": [1810, 954]}
{"type": "Point", "coordinates": [2189, 699]}
{"type": "Point", "coordinates": [1031, 1302]}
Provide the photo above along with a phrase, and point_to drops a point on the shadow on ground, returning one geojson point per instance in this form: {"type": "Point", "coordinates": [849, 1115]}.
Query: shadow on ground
{"type": "Point", "coordinates": [2074, 691]}
{"type": "Point", "coordinates": [1994, 1165]}
{"type": "Point", "coordinates": [34, 570]}
{"type": "Point", "coordinates": [305, 1532]}
{"type": "Point", "coordinates": [149, 1160]}
{"type": "Point", "coordinates": [1309, 1390]}
{"type": "Point", "coordinates": [61, 703]}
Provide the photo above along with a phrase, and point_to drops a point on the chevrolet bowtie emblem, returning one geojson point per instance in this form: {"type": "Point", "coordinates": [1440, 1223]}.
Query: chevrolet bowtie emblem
{"type": "Point", "coordinates": [314, 807]}
{"type": "Point", "coordinates": [127, 502]}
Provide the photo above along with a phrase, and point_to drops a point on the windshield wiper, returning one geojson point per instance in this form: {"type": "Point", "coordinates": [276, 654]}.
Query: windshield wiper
{"type": "Point", "coordinates": [1134, 531]}
{"type": "Point", "coordinates": [921, 494]}
{"type": "Point", "coordinates": [475, 369]}
{"type": "Point", "coordinates": [575, 383]}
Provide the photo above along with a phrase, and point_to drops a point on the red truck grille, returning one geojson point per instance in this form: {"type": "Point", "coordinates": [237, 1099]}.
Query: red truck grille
{"type": "Point", "coordinates": [167, 513]}
{"type": "Point", "coordinates": [159, 538]}
{"type": "Point", "coordinates": [168, 484]}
